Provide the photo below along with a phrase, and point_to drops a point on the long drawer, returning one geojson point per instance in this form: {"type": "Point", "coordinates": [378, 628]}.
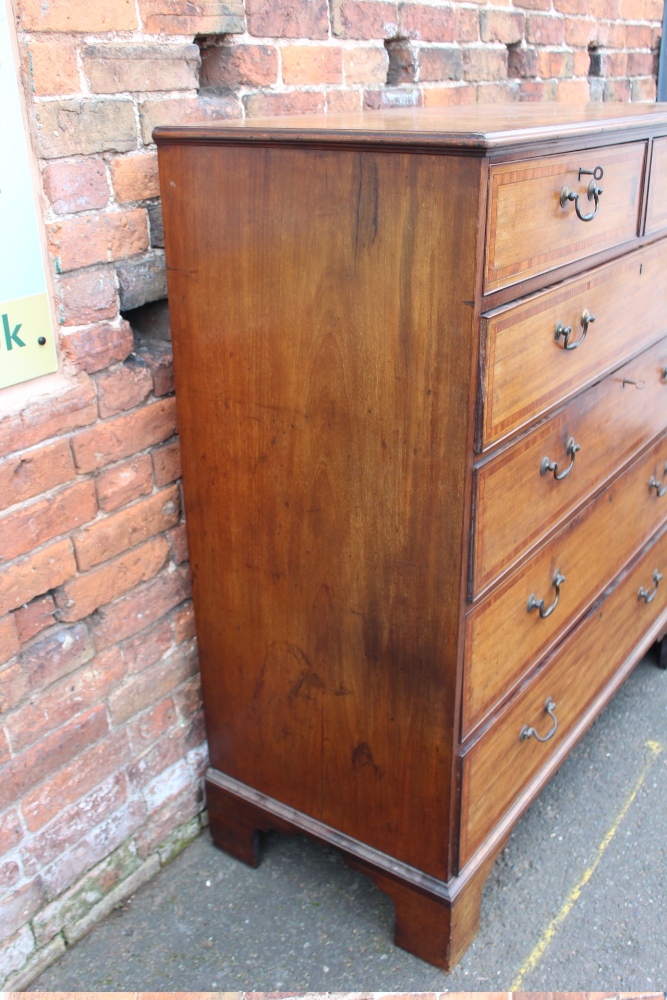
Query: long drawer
{"type": "Point", "coordinates": [533, 226]}
{"type": "Point", "coordinates": [591, 437]}
{"type": "Point", "coordinates": [500, 765]}
{"type": "Point", "coordinates": [527, 371]}
{"type": "Point", "coordinates": [507, 633]}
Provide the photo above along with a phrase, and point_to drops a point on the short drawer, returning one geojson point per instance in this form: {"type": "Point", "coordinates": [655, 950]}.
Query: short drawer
{"type": "Point", "coordinates": [526, 368]}
{"type": "Point", "coordinates": [656, 213]}
{"type": "Point", "coordinates": [533, 227]}
{"type": "Point", "coordinates": [506, 635]}
{"type": "Point", "coordinates": [554, 468]}
{"type": "Point", "coordinates": [501, 764]}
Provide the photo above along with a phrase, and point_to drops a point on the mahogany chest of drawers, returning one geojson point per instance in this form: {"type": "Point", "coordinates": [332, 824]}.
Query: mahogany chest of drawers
{"type": "Point", "coordinates": [421, 373]}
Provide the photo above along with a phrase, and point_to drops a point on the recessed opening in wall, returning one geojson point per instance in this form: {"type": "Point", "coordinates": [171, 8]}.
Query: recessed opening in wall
{"type": "Point", "coordinates": [595, 56]}
{"type": "Point", "coordinates": [214, 51]}
{"type": "Point", "coordinates": [149, 322]}
{"type": "Point", "coordinates": [403, 66]}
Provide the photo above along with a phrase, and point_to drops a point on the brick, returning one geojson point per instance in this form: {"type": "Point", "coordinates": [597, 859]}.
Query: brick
{"type": "Point", "coordinates": [614, 90]}
{"type": "Point", "coordinates": [9, 639]}
{"type": "Point", "coordinates": [184, 623]}
{"type": "Point", "coordinates": [124, 483]}
{"type": "Point", "coordinates": [440, 64]}
{"type": "Point", "coordinates": [367, 19]}
{"type": "Point", "coordinates": [165, 753]}
{"type": "Point", "coordinates": [60, 652]}
{"type": "Point", "coordinates": [581, 61]}
{"type": "Point", "coordinates": [74, 778]}
{"type": "Point", "coordinates": [467, 25]}
{"type": "Point", "coordinates": [239, 66]}
{"type": "Point", "coordinates": [142, 280]}
{"type": "Point", "coordinates": [427, 22]}
{"type": "Point", "coordinates": [580, 32]}
{"type": "Point", "coordinates": [631, 10]}
{"type": "Point", "coordinates": [135, 177]}
{"type": "Point", "coordinates": [146, 648]}
{"type": "Point", "coordinates": [554, 64]}
{"type": "Point", "coordinates": [73, 823]}
{"type": "Point", "coordinates": [534, 90]}
{"type": "Point", "coordinates": [167, 463]}
{"type": "Point", "coordinates": [571, 6]}
{"type": "Point", "coordinates": [11, 434]}
{"type": "Point", "coordinates": [35, 574]}
{"type": "Point", "coordinates": [344, 99]}
{"type": "Point", "coordinates": [70, 406]}
{"type": "Point", "coordinates": [188, 698]}
{"type": "Point", "coordinates": [643, 90]}
{"type": "Point", "coordinates": [497, 93]}
{"type": "Point", "coordinates": [5, 752]}
{"type": "Point", "coordinates": [143, 690]}
{"type": "Point", "coordinates": [484, 64]}
{"type": "Point", "coordinates": [145, 731]}
{"type": "Point", "coordinates": [139, 609]}
{"type": "Point", "coordinates": [9, 874]}
{"type": "Point", "coordinates": [641, 64]}
{"type": "Point", "coordinates": [294, 102]}
{"type": "Point", "coordinates": [288, 19]}
{"type": "Point", "coordinates": [124, 387]}
{"type": "Point", "coordinates": [92, 590]}
{"type": "Point", "coordinates": [97, 347]}
{"type": "Point", "coordinates": [396, 97]}
{"type": "Point", "coordinates": [501, 26]}
{"type": "Point", "coordinates": [67, 698]}
{"type": "Point", "coordinates": [544, 30]}
{"type": "Point", "coordinates": [13, 687]}
{"type": "Point", "coordinates": [67, 128]}
{"type": "Point", "coordinates": [87, 297]}
{"type": "Point", "coordinates": [180, 17]}
{"type": "Point", "coordinates": [573, 91]}
{"type": "Point", "coordinates": [365, 65]}
{"type": "Point", "coordinates": [178, 543]}
{"type": "Point", "coordinates": [53, 67]}
{"type": "Point", "coordinates": [94, 15]}
{"type": "Point", "coordinates": [123, 530]}
{"type": "Point", "coordinates": [614, 35]}
{"type": "Point", "coordinates": [186, 111]}
{"type": "Point", "coordinates": [159, 357]}
{"type": "Point", "coordinates": [11, 830]}
{"type": "Point", "coordinates": [603, 9]}
{"type": "Point", "coordinates": [33, 618]}
{"type": "Point", "coordinates": [93, 239]}
{"type": "Point", "coordinates": [30, 768]}
{"type": "Point", "coordinates": [169, 817]}
{"type": "Point", "coordinates": [20, 907]}
{"type": "Point", "coordinates": [522, 62]}
{"type": "Point", "coordinates": [43, 520]}
{"type": "Point", "coordinates": [35, 472]}
{"type": "Point", "coordinates": [448, 95]}
{"type": "Point", "coordinates": [532, 4]}
{"type": "Point", "coordinates": [114, 69]}
{"type": "Point", "coordinates": [156, 225]}
{"type": "Point", "coordinates": [125, 435]}
{"type": "Point", "coordinates": [403, 67]}
{"type": "Point", "coordinates": [312, 64]}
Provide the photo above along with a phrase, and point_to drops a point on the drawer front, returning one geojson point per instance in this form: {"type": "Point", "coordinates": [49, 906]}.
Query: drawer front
{"type": "Point", "coordinates": [504, 638]}
{"type": "Point", "coordinates": [656, 215]}
{"type": "Point", "coordinates": [608, 425]}
{"type": "Point", "coordinates": [530, 231]}
{"type": "Point", "coordinates": [500, 765]}
{"type": "Point", "coordinates": [527, 371]}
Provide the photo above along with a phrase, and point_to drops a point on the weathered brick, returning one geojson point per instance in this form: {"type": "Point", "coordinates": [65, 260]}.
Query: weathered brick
{"type": "Point", "coordinates": [365, 65]}
{"type": "Point", "coordinates": [239, 66]}
{"type": "Point", "coordinates": [28, 769]}
{"type": "Point", "coordinates": [139, 609]}
{"type": "Point", "coordinates": [35, 574]}
{"type": "Point", "coordinates": [33, 618]}
{"type": "Point", "coordinates": [52, 66]}
{"type": "Point", "coordinates": [159, 357]}
{"type": "Point", "coordinates": [68, 128]}
{"type": "Point", "coordinates": [87, 297]}
{"type": "Point", "coordinates": [123, 436]}
{"type": "Point", "coordinates": [180, 17]}
{"type": "Point", "coordinates": [59, 652]}
{"type": "Point", "coordinates": [501, 26]}
{"type": "Point", "coordinates": [5, 753]}
{"type": "Point", "coordinates": [484, 64]}
{"type": "Point", "coordinates": [11, 830]}
{"type": "Point", "coordinates": [291, 103]}
{"type": "Point", "coordinates": [440, 64]}
{"type": "Point", "coordinates": [126, 528]}
{"type": "Point", "coordinates": [613, 63]}
{"type": "Point", "coordinates": [90, 591]}
{"type": "Point", "coordinates": [11, 434]}
{"type": "Point", "coordinates": [186, 111]}
{"type": "Point", "coordinates": [603, 9]}
{"type": "Point", "coordinates": [16, 952]}
{"type": "Point", "coordinates": [20, 907]}
{"type": "Point", "coordinates": [156, 225]}
{"type": "Point", "coordinates": [170, 783]}
{"type": "Point", "coordinates": [454, 93]}
{"type": "Point", "coordinates": [467, 25]}
{"type": "Point", "coordinates": [93, 239]}
{"type": "Point", "coordinates": [522, 62]}
{"type": "Point", "coordinates": [92, 16]}
{"type": "Point", "coordinates": [288, 19]}
{"type": "Point", "coordinates": [146, 648]}
{"type": "Point", "coordinates": [188, 698]}
{"type": "Point", "coordinates": [615, 35]}
{"type": "Point", "coordinates": [167, 463]}
{"type": "Point", "coordinates": [13, 687]}
{"type": "Point", "coordinates": [163, 754]}
{"type": "Point", "coordinates": [498, 93]}
{"type": "Point", "coordinates": [367, 19]}
{"type": "Point", "coordinates": [573, 91]}
{"type": "Point", "coordinates": [427, 22]}
{"type": "Point", "coordinates": [580, 32]}
{"type": "Point", "coordinates": [169, 817]}
{"type": "Point", "coordinates": [142, 280]}
{"type": "Point", "coordinates": [542, 29]}
{"type": "Point", "coordinates": [343, 99]}
{"type": "Point", "coordinates": [74, 778]}
{"type": "Point", "coordinates": [98, 346]}
{"type": "Point", "coordinates": [124, 387]}
{"type": "Point", "coordinates": [9, 874]}
{"type": "Point", "coordinates": [67, 698]}
{"type": "Point", "coordinates": [393, 97]}
{"type": "Point", "coordinates": [312, 64]}
{"type": "Point", "coordinates": [70, 405]}
{"type": "Point", "coordinates": [178, 542]}
{"type": "Point", "coordinates": [614, 90]}
{"type": "Point", "coordinates": [35, 472]}
{"type": "Point", "coordinates": [641, 64]}
{"type": "Point", "coordinates": [571, 6]}
{"type": "Point", "coordinates": [124, 483]}
{"type": "Point", "coordinates": [632, 10]}
{"type": "Point", "coordinates": [403, 67]}
{"type": "Point", "coordinates": [9, 639]}
{"type": "Point", "coordinates": [114, 69]}
{"type": "Point", "coordinates": [43, 520]}
{"type": "Point", "coordinates": [184, 623]}
{"type": "Point", "coordinates": [140, 691]}
{"type": "Point", "coordinates": [135, 177]}
{"type": "Point", "coordinates": [144, 731]}
{"type": "Point", "coordinates": [554, 64]}
{"type": "Point", "coordinates": [643, 89]}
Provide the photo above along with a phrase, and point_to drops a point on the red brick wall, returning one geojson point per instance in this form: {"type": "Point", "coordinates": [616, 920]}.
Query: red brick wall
{"type": "Point", "coordinates": [101, 737]}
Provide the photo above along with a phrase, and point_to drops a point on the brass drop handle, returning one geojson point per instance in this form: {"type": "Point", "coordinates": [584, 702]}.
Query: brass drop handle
{"type": "Point", "coordinates": [658, 487]}
{"type": "Point", "coordinates": [594, 192]}
{"type": "Point", "coordinates": [528, 731]}
{"type": "Point", "coordinates": [649, 595]}
{"type": "Point", "coordinates": [566, 331]}
{"type": "Point", "coordinates": [547, 466]}
{"type": "Point", "coordinates": [534, 604]}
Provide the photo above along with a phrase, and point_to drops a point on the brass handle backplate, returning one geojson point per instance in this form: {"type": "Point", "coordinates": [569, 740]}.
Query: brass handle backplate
{"type": "Point", "coordinates": [657, 486]}
{"type": "Point", "coordinates": [566, 331]}
{"type": "Point", "coordinates": [547, 466]}
{"type": "Point", "coordinates": [534, 604]}
{"type": "Point", "coordinates": [647, 595]}
{"type": "Point", "coordinates": [594, 192]}
{"type": "Point", "coordinates": [528, 731]}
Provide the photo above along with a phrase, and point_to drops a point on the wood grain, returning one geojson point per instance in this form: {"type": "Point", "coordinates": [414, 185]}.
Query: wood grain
{"type": "Point", "coordinates": [656, 216]}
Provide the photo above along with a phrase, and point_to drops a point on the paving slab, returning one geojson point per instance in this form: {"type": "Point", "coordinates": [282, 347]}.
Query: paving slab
{"type": "Point", "coordinates": [577, 901]}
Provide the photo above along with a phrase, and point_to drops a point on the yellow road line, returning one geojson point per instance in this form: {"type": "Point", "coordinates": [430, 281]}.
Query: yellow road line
{"type": "Point", "coordinates": [654, 749]}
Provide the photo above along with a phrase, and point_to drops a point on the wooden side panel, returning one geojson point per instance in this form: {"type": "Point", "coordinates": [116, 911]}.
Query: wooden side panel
{"type": "Point", "coordinates": [322, 320]}
{"type": "Point", "coordinates": [656, 216]}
